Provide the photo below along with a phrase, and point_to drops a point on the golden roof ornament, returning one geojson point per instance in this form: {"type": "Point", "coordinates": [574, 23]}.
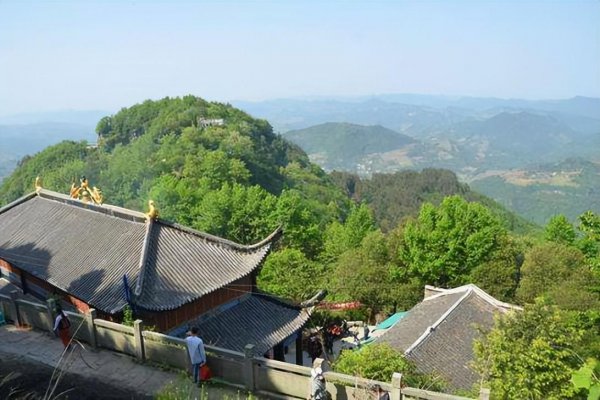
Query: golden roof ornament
{"type": "Point", "coordinates": [38, 184]}
{"type": "Point", "coordinates": [152, 212]}
{"type": "Point", "coordinates": [97, 195]}
{"type": "Point", "coordinates": [85, 194]}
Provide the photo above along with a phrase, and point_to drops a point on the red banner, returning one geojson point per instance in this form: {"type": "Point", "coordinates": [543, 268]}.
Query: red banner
{"type": "Point", "coordinates": [353, 305]}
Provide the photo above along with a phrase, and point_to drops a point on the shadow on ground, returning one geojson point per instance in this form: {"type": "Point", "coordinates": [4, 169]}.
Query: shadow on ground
{"type": "Point", "coordinates": [22, 379]}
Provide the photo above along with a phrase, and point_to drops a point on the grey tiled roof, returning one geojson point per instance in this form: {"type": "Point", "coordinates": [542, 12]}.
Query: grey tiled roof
{"type": "Point", "coordinates": [438, 333]}
{"type": "Point", "coordinates": [85, 250]}
{"type": "Point", "coordinates": [255, 319]}
{"type": "Point", "coordinates": [82, 252]}
{"type": "Point", "coordinates": [448, 350]}
{"type": "Point", "coordinates": [406, 331]}
{"type": "Point", "coordinates": [185, 266]}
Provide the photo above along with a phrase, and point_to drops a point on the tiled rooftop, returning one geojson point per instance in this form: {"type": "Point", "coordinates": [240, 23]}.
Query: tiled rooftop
{"type": "Point", "coordinates": [86, 250]}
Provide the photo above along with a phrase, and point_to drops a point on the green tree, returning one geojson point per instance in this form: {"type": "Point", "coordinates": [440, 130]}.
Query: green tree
{"type": "Point", "coordinates": [303, 222]}
{"type": "Point", "coordinates": [445, 244]}
{"type": "Point", "coordinates": [560, 230]}
{"type": "Point", "coordinates": [379, 362]}
{"type": "Point", "coordinates": [363, 274]}
{"type": "Point", "coordinates": [545, 267]}
{"type": "Point", "coordinates": [529, 354]}
{"type": "Point", "coordinates": [343, 237]}
{"type": "Point", "coordinates": [57, 165]}
{"type": "Point", "coordinates": [237, 212]}
{"type": "Point", "coordinates": [587, 378]}
{"type": "Point", "coordinates": [289, 274]}
{"type": "Point", "coordinates": [500, 275]}
{"type": "Point", "coordinates": [589, 225]}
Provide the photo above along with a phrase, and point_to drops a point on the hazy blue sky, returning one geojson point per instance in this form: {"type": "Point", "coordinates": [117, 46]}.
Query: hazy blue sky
{"type": "Point", "coordinates": [110, 54]}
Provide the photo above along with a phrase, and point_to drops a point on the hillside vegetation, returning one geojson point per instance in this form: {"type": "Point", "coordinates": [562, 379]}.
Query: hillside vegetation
{"type": "Point", "coordinates": [541, 191]}
{"type": "Point", "coordinates": [486, 142]}
{"type": "Point", "coordinates": [342, 146]}
{"type": "Point", "coordinates": [379, 241]}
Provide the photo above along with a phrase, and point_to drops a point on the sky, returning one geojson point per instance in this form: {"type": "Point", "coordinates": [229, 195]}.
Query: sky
{"type": "Point", "coordinates": [104, 55]}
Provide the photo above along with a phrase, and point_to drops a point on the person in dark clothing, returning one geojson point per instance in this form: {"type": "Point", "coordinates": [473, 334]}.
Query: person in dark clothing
{"type": "Point", "coordinates": [328, 342]}
{"type": "Point", "coordinates": [379, 393]}
{"type": "Point", "coordinates": [62, 327]}
{"type": "Point", "coordinates": [314, 347]}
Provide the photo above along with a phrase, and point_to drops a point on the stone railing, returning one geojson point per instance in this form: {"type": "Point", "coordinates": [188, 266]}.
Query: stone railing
{"type": "Point", "coordinates": [246, 371]}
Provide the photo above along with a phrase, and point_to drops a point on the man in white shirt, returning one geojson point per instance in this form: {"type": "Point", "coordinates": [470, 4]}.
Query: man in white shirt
{"type": "Point", "coordinates": [196, 351]}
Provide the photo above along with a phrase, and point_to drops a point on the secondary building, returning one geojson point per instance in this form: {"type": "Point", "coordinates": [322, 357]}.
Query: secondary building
{"type": "Point", "coordinates": [438, 333]}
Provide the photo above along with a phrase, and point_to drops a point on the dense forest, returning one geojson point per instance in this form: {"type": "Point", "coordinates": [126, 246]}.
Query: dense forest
{"type": "Point", "coordinates": [213, 167]}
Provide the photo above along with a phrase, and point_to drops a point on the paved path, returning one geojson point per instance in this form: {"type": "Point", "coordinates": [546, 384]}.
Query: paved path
{"type": "Point", "coordinates": [102, 365]}
{"type": "Point", "coordinates": [118, 369]}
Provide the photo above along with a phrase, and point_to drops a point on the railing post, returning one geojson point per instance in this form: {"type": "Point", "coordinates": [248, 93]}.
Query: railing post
{"type": "Point", "coordinates": [90, 316]}
{"type": "Point", "coordinates": [249, 367]}
{"type": "Point", "coordinates": [50, 307]}
{"type": "Point", "coordinates": [139, 340]}
{"type": "Point", "coordinates": [396, 393]}
{"type": "Point", "coordinates": [484, 394]}
{"type": "Point", "coordinates": [14, 308]}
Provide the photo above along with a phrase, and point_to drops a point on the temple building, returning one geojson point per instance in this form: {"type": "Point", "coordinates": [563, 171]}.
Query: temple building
{"type": "Point", "coordinates": [437, 334]}
{"type": "Point", "coordinates": [106, 257]}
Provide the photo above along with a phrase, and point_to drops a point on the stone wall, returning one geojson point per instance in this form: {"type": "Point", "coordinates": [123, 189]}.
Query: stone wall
{"type": "Point", "coordinates": [268, 378]}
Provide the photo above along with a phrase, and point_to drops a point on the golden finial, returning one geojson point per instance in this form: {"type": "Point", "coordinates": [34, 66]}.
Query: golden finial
{"type": "Point", "coordinates": [152, 212]}
{"type": "Point", "coordinates": [74, 192]}
{"type": "Point", "coordinates": [97, 195]}
{"type": "Point", "coordinates": [85, 194]}
{"type": "Point", "coordinates": [85, 190]}
{"type": "Point", "coordinates": [38, 184]}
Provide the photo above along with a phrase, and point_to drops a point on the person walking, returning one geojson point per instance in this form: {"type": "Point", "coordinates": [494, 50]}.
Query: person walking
{"type": "Point", "coordinates": [196, 351]}
{"type": "Point", "coordinates": [379, 393]}
{"type": "Point", "coordinates": [62, 327]}
{"type": "Point", "coordinates": [318, 389]}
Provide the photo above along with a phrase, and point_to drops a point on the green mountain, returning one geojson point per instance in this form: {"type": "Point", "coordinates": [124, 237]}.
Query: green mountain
{"type": "Point", "coordinates": [206, 165]}
{"type": "Point", "coordinates": [393, 197]}
{"type": "Point", "coordinates": [344, 146]}
{"type": "Point", "coordinates": [488, 152]}
{"type": "Point", "coordinates": [213, 167]}
{"type": "Point", "coordinates": [538, 192]}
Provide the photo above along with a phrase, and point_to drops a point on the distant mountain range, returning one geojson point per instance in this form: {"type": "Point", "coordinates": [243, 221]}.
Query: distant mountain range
{"type": "Point", "coordinates": [20, 139]}
{"type": "Point", "coordinates": [414, 115]}
{"type": "Point", "coordinates": [503, 141]}
{"type": "Point", "coordinates": [483, 140]}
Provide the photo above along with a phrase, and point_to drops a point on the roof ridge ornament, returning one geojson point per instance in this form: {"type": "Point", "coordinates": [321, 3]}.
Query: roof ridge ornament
{"type": "Point", "coordinates": [85, 194]}
{"type": "Point", "coordinates": [152, 210]}
{"type": "Point", "coordinates": [38, 184]}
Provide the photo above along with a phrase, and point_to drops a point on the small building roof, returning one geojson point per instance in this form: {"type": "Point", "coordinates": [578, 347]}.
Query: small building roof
{"type": "Point", "coordinates": [438, 333]}
{"type": "Point", "coordinates": [86, 250]}
{"type": "Point", "coordinates": [254, 319]}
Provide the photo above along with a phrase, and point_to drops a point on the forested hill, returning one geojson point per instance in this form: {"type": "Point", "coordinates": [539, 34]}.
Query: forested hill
{"type": "Point", "coordinates": [378, 241]}
{"type": "Point", "coordinates": [208, 165]}
{"type": "Point", "coordinates": [393, 197]}
{"type": "Point", "coordinates": [343, 146]}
